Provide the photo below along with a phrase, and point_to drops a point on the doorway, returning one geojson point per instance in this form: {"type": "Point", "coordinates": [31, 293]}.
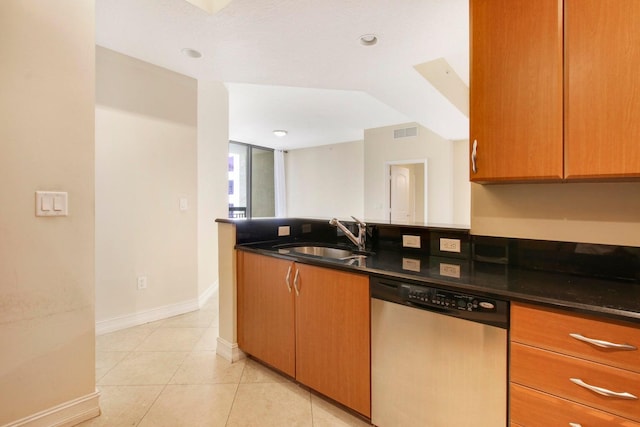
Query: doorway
{"type": "Point", "coordinates": [406, 191]}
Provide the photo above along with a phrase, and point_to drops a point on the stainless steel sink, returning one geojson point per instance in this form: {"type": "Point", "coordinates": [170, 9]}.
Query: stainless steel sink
{"type": "Point", "coordinates": [323, 252]}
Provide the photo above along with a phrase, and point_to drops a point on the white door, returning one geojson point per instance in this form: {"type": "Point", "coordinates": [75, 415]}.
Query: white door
{"type": "Point", "coordinates": [400, 195]}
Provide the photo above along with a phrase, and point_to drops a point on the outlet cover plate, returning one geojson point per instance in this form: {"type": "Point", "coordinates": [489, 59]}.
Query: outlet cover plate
{"type": "Point", "coordinates": [450, 245]}
{"type": "Point", "coordinates": [409, 241]}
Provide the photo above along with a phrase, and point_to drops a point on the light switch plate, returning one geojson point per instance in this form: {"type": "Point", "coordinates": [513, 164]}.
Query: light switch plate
{"type": "Point", "coordinates": [184, 203]}
{"type": "Point", "coordinates": [450, 245]}
{"type": "Point", "coordinates": [52, 203]}
{"type": "Point", "coordinates": [409, 241]}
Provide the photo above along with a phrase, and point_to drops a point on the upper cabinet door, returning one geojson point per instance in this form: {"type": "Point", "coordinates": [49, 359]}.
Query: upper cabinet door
{"type": "Point", "coordinates": [602, 123]}
{"type": "Point", "coordinates": [516, 90]}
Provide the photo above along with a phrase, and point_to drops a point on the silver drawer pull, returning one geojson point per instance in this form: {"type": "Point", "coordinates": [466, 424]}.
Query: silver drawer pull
{"type": "Point", "coordinates": [575, 425]}
{"type": "Point", "coordinates": [603, 391]}
{"type": "Point", "coordinates": [603, 344]}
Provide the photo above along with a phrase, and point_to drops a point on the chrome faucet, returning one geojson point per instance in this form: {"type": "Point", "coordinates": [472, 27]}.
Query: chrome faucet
{"type": "Point", "coordinates": [362, 232]}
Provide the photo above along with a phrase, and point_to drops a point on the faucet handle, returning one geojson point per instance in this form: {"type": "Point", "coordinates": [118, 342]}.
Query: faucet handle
{"type": "Point", "coordinates": [358, 221]}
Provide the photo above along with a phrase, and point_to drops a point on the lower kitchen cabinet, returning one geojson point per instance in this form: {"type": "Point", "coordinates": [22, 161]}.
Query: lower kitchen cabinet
{"type": "Point", "coordinates": [570, 369]}
{"type": "Point", "coordinates": [321, 318]}
{"type": "Point", "coordinates": [533, 408]}
{"type": "Point", "coordinates": [266, 316]}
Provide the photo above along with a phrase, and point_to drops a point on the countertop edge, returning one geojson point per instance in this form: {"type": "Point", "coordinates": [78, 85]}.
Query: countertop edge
{"type": "Point", "coordinates": [562, 304]}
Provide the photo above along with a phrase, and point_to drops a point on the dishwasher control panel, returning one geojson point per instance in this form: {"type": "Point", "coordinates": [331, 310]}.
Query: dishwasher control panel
{"type": "Point", "coordinates": [476, 308]}
{"type": "Point", "coordinates": [437, 297]}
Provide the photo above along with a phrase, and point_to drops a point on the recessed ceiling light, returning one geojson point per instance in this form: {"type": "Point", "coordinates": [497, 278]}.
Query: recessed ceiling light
{"type": "Point", "coordinates": [280, 133]}
{"type": "Point", "coordinates": [191, 53]}
{"type": "Point", "coordinates": [368, 39]}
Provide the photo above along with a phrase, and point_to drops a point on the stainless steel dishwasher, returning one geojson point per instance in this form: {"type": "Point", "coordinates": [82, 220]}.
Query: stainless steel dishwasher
{"type": "Point", "coordinates": [438, 357]}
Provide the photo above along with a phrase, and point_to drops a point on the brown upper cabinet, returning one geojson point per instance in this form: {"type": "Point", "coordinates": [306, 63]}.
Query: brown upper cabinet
{"type": "Point", "coordinates": [555, 90]}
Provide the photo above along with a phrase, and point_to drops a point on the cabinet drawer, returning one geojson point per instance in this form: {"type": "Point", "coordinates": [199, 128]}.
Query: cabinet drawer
{"type": "Point", "coordinates": [552, 372]}
{"type": "Point", "coordinates": [551, 329]}
{"type": "Point", "coordinates": [531, 408]}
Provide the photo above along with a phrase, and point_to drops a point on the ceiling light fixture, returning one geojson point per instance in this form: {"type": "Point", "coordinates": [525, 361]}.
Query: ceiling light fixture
{"type": "Point", "coordinates": [191, 53]}
{"type": "Point", "coordinates": [280, 133]}
{"type": "Point", "coordinates": [368, 39]}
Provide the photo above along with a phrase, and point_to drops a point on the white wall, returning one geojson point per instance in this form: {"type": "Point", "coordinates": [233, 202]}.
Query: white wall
{"type": "Point", "coordinates": [146, 160]}
{"type": "Point", "coordinates": [213, 149]}
{"type": "Point", "coordinates": [47, 264]}
{"type": "Point", "coordinates": [380, 147]}
{"type": "Point", "coordinates": [326, 181]}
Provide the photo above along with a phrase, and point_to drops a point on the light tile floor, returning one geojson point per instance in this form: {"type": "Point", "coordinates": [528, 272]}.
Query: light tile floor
{"type": "Point", "coordinates": [167, 373]}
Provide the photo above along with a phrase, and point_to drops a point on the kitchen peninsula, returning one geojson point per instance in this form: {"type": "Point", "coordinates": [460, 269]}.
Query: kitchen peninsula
{"type": "Point", "coordinates": [580, 281]}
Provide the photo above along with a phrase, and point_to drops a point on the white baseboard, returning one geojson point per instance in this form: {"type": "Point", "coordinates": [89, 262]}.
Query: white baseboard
{"type": "Point", "coordinates": [229, 351]}
{"type": "Point", "coordinates": [208, 293]}
{"type": "Point", "coordinates": [64, 415]}
{"type": "Point", "coordinates": [146, 316]}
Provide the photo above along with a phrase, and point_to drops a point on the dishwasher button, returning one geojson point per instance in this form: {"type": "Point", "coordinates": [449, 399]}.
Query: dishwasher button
{"type": "Point", "coordinates": [488, 305]}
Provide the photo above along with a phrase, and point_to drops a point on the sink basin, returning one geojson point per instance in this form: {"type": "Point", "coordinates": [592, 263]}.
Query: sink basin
{"type": "Point", "coordinates": [322, 251]}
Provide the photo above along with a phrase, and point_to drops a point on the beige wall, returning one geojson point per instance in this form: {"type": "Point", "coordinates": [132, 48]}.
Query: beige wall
{"type": "Point", "coordinates": [349, 179]}
{"type": "Point", "coordinates": [46, 264]}
{"type": "Point", "coordinates": [380, 147]}
{"type": "Point", "coordinates": [213, 149]}
{"type": "Point", "coordinates": [211, 6]}
{"type": "Point", "coordinates": [606, 213]}
{"type": "Point", "coordinates": [461, 184]}
{"type": "Point", "coordinates": [146, 160]}
{"type": "Point", "coordinates": [326, 181]}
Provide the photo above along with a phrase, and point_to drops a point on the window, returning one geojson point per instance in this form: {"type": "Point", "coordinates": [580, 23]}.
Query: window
{"type": "Point", "coordinates": [251, 182]}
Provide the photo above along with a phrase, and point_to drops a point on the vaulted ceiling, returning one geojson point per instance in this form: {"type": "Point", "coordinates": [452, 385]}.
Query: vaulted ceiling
{"type": "Point", "coordinates": [299, 64]}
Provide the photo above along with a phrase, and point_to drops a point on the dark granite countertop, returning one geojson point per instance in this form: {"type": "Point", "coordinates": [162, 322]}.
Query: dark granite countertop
{"type": "Point", "coordinates": [616, 299]}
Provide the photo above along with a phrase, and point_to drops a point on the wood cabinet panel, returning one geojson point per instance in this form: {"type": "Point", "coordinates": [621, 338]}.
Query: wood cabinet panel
{"type": "Point", "coordinates": [266, 316]}
{"type": "Point", "coordinates": [516, 89]}
{"type": "Point", "coordinates": [532, 408]}
{"type": "Point", "coordinates": [550, 329]}
{"type": "Point", "coordinates": [551, 372]}
{"type": "Point", "coordinates": [320, 335]}
{"type": "Point", "coordinates": [602, 88]}
{"type": "Point", "coordinates": [332, 335]}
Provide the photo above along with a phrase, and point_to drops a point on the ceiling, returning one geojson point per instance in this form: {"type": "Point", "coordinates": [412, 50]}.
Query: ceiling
{"type": "Point", "coordinates": [299, 64]}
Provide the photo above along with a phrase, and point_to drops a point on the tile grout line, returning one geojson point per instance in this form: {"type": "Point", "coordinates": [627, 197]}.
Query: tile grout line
{"type": "Point", "coordinates": [235, 395]}
{"type": "Point", "coordinates": [164, 386]}
{"type": "Point", "coordinates": [114, 366]}
{"type": "Point", "coordinates": [311, 405]}
{"type": "Point", "coordinates": [152, 403]}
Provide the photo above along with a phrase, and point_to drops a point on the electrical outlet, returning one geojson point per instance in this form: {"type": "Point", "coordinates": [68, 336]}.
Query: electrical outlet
{"type": "Point", "coordinates": [450, 245]}
{"type": "Point", "coordinates": [142, 282]}
{"type": "Point", "coordinates": [409, 241]}
{"type": "Point", "coordinates": [450, 270]}
{"type": "Point", "coordinates": [284, 230]}
{"type": "Point", "coordinates": [411, 264]}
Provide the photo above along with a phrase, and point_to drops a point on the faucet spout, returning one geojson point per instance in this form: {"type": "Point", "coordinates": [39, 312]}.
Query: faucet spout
{"type": "Point", "coordinates": [359, 240]}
